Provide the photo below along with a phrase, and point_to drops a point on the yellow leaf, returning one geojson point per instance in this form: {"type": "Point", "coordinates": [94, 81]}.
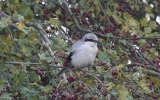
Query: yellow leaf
{"type": "Point", "coordinates": [144, 22]}
{"type": "Point", "coordinates": [147, 30]}
{"type": "Point", "coordinates": [93, 15]}
{"type": "Point", "coordinates": [115, 5]}
{"type": "Point", "coordinates": [157, 83]}
{"type": "Point", "coordinates": [110, 85]}
{"type": "Point", "coordinates": [78, 73]}
{"type": "Point", "coordinates": [148, 9]}
{"type": "Point", "coordinates": [132, 23]}
{"type": "Point", "coordinates": [96, 2]}
{"type": "Point", "coordinates": [37, 1]}
{"type": "Point", "coordinates": [24, 50]}
{"type": "Point", "coordinates": [16, 82]}
{"type": "Point", "coordinates": [119, 67]}
{"type": "Point", "coordinates": [54, 21]}
{"type": "Point", "coordinates": [8, 40]}
{"type": "Point", "coordinates": [125, 28]}
{"type": "Point", "coordinates": [58, 12]}
{"type": "Point", "coordinates": [144, 86]}
{"type": "Point", "coordinates": [20, 25]}
{"type": "Point", "coordinates": [63, 82]}
{"type": "Point", "coordinates": [109, 12]}
{"type": "Point", "coordinates": [123, 93]}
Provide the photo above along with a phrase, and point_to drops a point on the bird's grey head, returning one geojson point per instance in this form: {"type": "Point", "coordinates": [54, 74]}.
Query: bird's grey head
{"type": "Point", "coordinates": [90, 37]}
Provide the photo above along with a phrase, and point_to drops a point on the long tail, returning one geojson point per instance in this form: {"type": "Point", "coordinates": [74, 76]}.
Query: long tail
{"type": "Point", "coordinates": [61, 72]}
{"type": "Point", "coordinates": [69, 58]}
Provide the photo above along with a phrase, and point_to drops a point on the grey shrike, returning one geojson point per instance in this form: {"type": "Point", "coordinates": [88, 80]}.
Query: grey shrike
{"type": "Point", "coordinates": [83, 52]}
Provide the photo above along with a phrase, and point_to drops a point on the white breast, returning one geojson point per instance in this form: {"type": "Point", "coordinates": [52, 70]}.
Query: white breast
{"type": "Point", "coordinates": [84, 55]}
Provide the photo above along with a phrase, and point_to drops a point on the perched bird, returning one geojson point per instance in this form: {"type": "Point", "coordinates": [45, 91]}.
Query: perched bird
{"type": "Point", "coordinates": [83, 53]}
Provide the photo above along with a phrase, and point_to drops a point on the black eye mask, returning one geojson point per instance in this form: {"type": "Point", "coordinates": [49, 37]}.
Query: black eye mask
{"type": "Point", "coordinates": [91, 40]}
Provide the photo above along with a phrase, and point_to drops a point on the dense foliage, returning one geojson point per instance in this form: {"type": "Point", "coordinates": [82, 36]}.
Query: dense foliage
{"type": "Point", "coordinates": [36, 37]}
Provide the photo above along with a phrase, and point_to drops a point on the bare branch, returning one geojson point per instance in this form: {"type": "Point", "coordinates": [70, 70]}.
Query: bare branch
{"type": "Point", "coordinates": [153, 71]}
{"type": "Point", "coordinates": [97, 79]}
{"type": "Point", "coordinates": [34, 63]}
{"type": "Point", "coordinates": [74, 18]}
{"type": "Point", "coordinates": [39, 28]}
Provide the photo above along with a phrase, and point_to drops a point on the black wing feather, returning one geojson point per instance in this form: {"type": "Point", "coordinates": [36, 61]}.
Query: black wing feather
{"type": "Point", "coordinates": [69, 58]}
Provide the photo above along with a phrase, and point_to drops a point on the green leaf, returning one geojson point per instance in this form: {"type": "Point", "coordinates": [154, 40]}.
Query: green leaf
{"type": "Point", "coordinates": [123, 41]}
{"type": "Point", "coordinates": [147, 30]}
{"type": "Point", "coordinates": [153, 25]}
{"type": "Point", "coordinates": [49, 5]}
{"type": "Point", "coordinates": [110, 35]}
{"type": "Point", "coordinates": [33, 76]}
{"type": "Point", "coordinates": [142, 42]}
{"type": "Point", "coordinates": [42, 56]}
{"type": "Point", "coordinates": [96, 2]}
{"type": "Point", "coordinates": [116, 5]}
{"type": "Point", "coordinates": [37, 1]}
{"type": "Point", "coordinates": [148, 9]}
{"type": "Point", "coordinates": [101, 27]}
{"type": "Point", "coordinates": [25, 10]}
{"type": "Point", "coordinates": [120, 67]}
{"type": "Point", "coordinates": [118, 19]}
{"type": "Point", "coordinates": [144, 22]}
{"type": "Point", "coordinates": [144, 85]}
{"type": "Point", "coordinates": [15, 71]}
{"type": "Point", "coordinates": [60, 1]}
{"type": "Point", "coordinates": [54, 21]}
{"type": "Point", "coordinates": [155, 3]}
{"type": "Point", "coordinates": [123, 93]}
{"type": "Point", "coordinates": [82, 3]}
{"type": "Point", "coordinates": [8, 41]}
{"type": "Point", "coordinates": [132, 23]}
{"type": "Point", "coordinates": [50, 59]}
{"type": "Point", "coordinates": [52, 82]}
{"type": "Point", "coordinates": [125, 28]}
{"type": "Point", "coordinates": [129, 97]}
{"type": "Point", "coordinates": [58, 12]}
{"type": "Point", "coordinates": [137, 75]}
{"type": "Point", "coordinates": [3, 22]}
{"type": "Point", "coordinates": [136, 7]}
{"type": "Point", "coordinates": [87, 96]}
{"type": "Point", "coordinates": [103, 57]}
{"type": "Point", "coordinates": [45, 89]}
{"type": "Point", "coordinates": [109, 12]}
{"type": "Point", "coordinates": [20, 25]}
{"type": "Point", "coordinates": [6, 96]}
{"type": "Point", "coordinates": [18, 16]}
{"type": "Point", "coordinates": [114, 92]}
{"type": "Point", "coordinates": [26, 51]}
{"type": "Point", "coordinates": [152, 15]}
{"type": "Point", "coordinates": [110, 85]}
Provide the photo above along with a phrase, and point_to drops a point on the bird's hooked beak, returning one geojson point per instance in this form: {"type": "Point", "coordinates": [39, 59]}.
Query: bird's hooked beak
{"type": "Point", "coordinates": [99, 45]}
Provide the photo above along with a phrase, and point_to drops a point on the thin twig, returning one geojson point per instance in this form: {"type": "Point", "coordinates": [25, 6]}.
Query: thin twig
{"type": "Point", "coordinates": [137, 88]}
{"type": "Point", "coordinates": [97, 79]}
{"type": "Point", "coordinates": [74, 18]}
{"type": "Point", "coordinates": [142, 65]}
{"type": "Point", "coordinates": [88, 88]}
{"type": "Point", "coordinates": [57, 89]}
